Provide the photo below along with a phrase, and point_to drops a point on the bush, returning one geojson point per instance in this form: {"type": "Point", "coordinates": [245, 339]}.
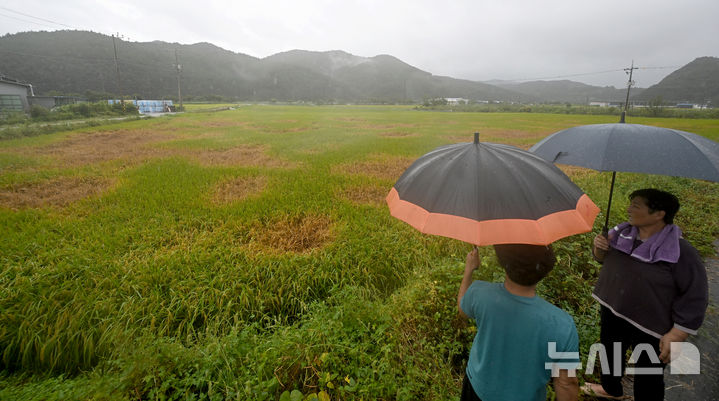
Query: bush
{"type": "Point", "coordinates": [38, 112]}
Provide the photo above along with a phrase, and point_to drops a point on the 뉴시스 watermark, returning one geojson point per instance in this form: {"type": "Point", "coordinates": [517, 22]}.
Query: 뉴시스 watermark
{"type": "Point", "coordinates": [685, 360]}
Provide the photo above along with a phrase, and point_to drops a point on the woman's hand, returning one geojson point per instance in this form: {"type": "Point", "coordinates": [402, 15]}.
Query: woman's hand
{"type": "Point", "coordinates": [601, 242]}
{"type": "Point", "coordinates": [600, 248]}
{"type": "Point", "coordinates": [672, 336]}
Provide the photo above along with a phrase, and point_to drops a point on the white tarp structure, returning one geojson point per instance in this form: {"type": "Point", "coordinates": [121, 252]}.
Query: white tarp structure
{"type": "Point", "coordinates": [149, 106]}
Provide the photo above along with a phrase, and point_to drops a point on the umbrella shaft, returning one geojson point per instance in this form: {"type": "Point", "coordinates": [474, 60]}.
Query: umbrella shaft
{"type": "Point", "coordinates": [605, 230]}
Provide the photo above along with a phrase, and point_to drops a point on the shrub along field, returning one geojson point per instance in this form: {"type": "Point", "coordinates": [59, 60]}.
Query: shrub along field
{"type": "Point", "coordinates": [249, 254]}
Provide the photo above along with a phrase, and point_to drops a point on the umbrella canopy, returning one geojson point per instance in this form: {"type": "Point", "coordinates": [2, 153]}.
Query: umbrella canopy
{"type": "Point", "coordinates": [486, 193]}
{"type": "Point", "coordinates": [632, 148]}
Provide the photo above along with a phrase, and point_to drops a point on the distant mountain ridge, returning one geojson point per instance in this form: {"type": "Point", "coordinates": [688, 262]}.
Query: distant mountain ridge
{"type": "Point", "coordinates": [568, 91]}
{"type": "Point", "coordinates": [78, 62]}
{"type": "Point", "coordinates": [696, 82]}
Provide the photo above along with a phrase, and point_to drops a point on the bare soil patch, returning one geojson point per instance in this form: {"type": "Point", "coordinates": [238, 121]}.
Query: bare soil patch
{"type": "Point", "coordinates": [55, 192]}
{"type": "Point", "coordinates": [366, 195]}
{"type": "Point", "coordinates": [378, 166]}
{"type": "Point", "coordinates": [238, 189]}
{"type": "Point", "coordinates": [297, 234]}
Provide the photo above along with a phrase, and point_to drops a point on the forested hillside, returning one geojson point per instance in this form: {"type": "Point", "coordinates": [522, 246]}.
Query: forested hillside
{"type": "Point", "coordinates": [696, 82]}
{"type": "Point", "coordinates": [568, 91]}
{"type": "Point", "coordinates": [83, 63]}
{"type": "Point", "coordinates": [77, 62]}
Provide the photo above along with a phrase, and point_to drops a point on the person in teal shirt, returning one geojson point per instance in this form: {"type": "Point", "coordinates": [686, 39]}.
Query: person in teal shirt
{"type": "Point", "coordinates": [522, 341]}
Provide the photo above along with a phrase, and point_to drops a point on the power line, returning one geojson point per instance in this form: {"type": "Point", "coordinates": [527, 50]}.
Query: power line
{"type": "Point", "coordinates": [660, 68]}
{"type": "Point", "coordinates": [108, 60]}
{"type": "Point", "coordinates": [593, 73]}
{"type": "Point", "coordinates": [59, 57]}
{"type": "Point", "coordinates": [24, 20]}
{"type": "Point", "coordinates": [569, 75]}
{"type": "Point", "coordinates": [38, 18]}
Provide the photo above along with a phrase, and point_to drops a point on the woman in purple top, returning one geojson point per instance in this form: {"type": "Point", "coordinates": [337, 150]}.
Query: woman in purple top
{"type": "Point", "coordinates": [652, 289]}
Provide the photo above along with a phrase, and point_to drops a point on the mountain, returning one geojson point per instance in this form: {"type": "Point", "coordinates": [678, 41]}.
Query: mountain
{"type": "Point", "coordinates": [566, 91]}
{"type": "Point", "coordinates": [696, 82]}
{"type": "Point", "coordinates": [79, 61]}
{"type": "Point", "coordinates": [76, 61]}
{"type": "Point", "coordinates": [382, 77]}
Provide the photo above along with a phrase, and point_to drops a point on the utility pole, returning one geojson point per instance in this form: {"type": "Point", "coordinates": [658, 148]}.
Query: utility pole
{"type": "Point", "coordinates": [117, 69]}
{"type": "Point", "coordinates": [629, 71]}
{"type": "Point", "coordinates": [179, 70]}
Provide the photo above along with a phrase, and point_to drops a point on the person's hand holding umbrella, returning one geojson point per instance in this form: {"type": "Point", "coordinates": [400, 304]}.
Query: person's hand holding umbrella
{"type": "Point", "coordinates": [471, 264]}
{"type": "Point", "coordinates": [601, 246]}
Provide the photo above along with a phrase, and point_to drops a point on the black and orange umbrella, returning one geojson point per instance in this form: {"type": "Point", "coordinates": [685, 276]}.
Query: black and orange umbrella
{"type": "Point", "coordinates": [488, 193]}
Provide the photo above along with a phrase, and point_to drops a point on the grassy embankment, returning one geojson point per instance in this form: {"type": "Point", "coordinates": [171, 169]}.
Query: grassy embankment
{"type": "Point", "coordinates": [246, 254]}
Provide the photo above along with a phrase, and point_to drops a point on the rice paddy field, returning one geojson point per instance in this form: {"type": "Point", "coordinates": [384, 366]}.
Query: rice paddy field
{"type": "Point", "coordinates": [248, 254]}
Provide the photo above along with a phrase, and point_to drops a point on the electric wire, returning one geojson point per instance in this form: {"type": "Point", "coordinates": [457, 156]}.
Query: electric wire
{"type": "Point", "coordinates": [32, 16]}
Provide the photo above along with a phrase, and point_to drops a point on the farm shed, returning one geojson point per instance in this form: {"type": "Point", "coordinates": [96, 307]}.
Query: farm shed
{"type": "Point", "coordinates": [14, 95]}
{"type": "Point", "coordinates": [49, 102]}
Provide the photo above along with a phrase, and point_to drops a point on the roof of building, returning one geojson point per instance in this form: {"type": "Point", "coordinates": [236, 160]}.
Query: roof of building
{"type": "Point", "coordinates": [8, 80]}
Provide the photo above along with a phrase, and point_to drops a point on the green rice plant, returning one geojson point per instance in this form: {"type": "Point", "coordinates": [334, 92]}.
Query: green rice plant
{"type": "Point", "coordinates": [150, 290]}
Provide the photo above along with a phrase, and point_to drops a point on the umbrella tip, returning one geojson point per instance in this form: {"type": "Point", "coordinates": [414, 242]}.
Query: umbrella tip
{"type": "Point", "coordinates": [476, 137]}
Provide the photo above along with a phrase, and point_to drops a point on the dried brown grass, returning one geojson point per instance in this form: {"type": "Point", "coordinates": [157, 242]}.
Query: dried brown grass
{"type": "Point", "coordinates": [365, 195]}
{"type": "Point", "coordinates": [226, 124]}
{"type": "Point", "coordinates": [242, 155]}
{"type": "Point", "coordinates": [494, 135]}
{"type": "Point", "coordinates": [57, 192]}
{"type": "Point", "coordinates": [298, 234]}
{"type": "Point", "coordinates": [575, 171]}
{"type": "Point", "coordinates": [135, 146]}
{"type": "Point", "coordinates": [398, 134]}
{"type": "Point", "coordinates": [390, 126]}
{"type": "Point", "coordinates": [238, 189]}
{"type": "Point", "coordinates": [378, 166]}
{"type": "Point", "coordinates": [96, 147]}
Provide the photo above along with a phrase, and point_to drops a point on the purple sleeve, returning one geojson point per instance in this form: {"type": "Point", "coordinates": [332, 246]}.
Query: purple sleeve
{"type": "Point", "coordinates": [692, 297]}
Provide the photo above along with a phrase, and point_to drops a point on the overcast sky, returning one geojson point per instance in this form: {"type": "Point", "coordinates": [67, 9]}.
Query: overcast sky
{"type": "Point", "coordinates": [585, 41]}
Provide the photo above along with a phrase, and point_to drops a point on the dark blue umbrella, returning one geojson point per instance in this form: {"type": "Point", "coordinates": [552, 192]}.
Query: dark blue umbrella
{"type": "Point", "coordinates": [632, 148]}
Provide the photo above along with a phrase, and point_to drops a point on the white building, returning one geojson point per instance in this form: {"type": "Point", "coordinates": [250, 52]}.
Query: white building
{"type": "Point", "coordinates": [456, 100]}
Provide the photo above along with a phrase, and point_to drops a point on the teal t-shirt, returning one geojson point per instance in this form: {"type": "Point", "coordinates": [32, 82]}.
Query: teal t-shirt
{"type": "Point", "coordinates": [510, 355]}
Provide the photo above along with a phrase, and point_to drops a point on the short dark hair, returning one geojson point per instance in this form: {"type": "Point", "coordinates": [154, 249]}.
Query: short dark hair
{"type": "Point", "coordinates": [525, 264]}
{"type": "Point", "coordinates": [659, 200]}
